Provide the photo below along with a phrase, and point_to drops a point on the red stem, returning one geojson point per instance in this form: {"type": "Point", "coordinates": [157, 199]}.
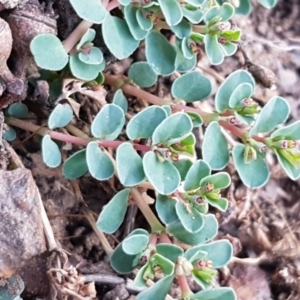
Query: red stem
{"type": "Point", "coordinates": [164, 238]}
{"type": "Point", "coordinates": [153, 239]}
{"type": "Point", "coordinates": [233, 129]}
{"type": "Point", "coordinates": [184, 287]}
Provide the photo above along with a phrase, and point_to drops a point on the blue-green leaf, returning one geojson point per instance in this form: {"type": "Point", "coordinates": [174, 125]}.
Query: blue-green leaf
{"type": "Point", "coordinates": [113, 213]}
{"type": "Point", "coordinates": [182, 29]}
{"type": "Point", "coordinates": [142, 74]}
{"type": "Point", "coordinates": [170, 251]}
{"type": "Point", "coordinates": [75, 166]}
{"type": "Point", "coordinates": [221, 293]}
{"type": "Point", "coordinates": [292, 171]}
{"type": "Point", "coordinates": [18, 110]}
{"type": "Point", "coordinates": [268, 3]}
{"type": "Point", "coordinates": [183, 166]}
{"type": "Point", "coordinates": [60, 116]}
{"type": "Point", "coordinates": [135, 244]}
{"type": "Point", "coordinates": [220, 180]}
{"type": "Point", "coordinates": [166, 209]}
{"type": "Point", "coordinates": [144, 23]}
{"type": "Point", "coordinates": [241, 92]}
{"type": "Point", "coordinates": [172, 11]}
{"type": "Point", "coordinates": [88, 37]}
{"type": "Point", "coordinates": [290, 132]}
{"type": "Point", "coordinates": [94, 57]}
{"type": "Point", "coordinates": [50, 152]}
{"type": "Point", "coordinates": [213, 49]}
{"type": "Point", "coordinates": [120, 100]}
{"type": "Point", "coordinates": [10, 134]}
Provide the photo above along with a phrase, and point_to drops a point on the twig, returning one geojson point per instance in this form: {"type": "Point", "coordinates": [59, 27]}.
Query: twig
{"type": "Point", "coordinates": [103, 279]}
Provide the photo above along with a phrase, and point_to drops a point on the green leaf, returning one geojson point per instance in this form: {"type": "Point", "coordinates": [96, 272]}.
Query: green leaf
{"type": "Point", "coordinates": [241, 92]}
{"type": "Point", "coordinates": [84, 71]}
{"type": "Point", "coordinates": [275, 112]}
{"type": "Point", "coordinates": [122, 262]}
{"type": "Point", "coordinates": [88, 37]}
{"type": "Point", "coordinates": [221, 293]}
{"type": "Point", "coordinates": [192, 14]}
{"type": "Point", "coordinates": [50, 152]}
{"type": "Point", "coordinates": [130, 16]}
{"type": "Point", "coordinates": [225, 12]}
{"type": "Point", "coordinates": [144, 23]}
{"type": "Point", "coordinates": [182, 29]}
{"type": "Point", "coordinates": [183, 166]}
{"type": "Point", "coordinates": [118, 38]}
{"type": "Point", "coordinates": [160, 54]}
{"type": "Point", "coordinates": [157, 291]}
{"type": "Point", "coordinates": [199, 87]}
{"type": "Point", "coordinates": [142, 74]}
{"type": "Point", "coordinates": [99, 163]}
{"type": "Point", "coordinates": [60, 116]}
{"type": "Point", "coordinates": [199, 170]}
{"type": "Point", "coordinates": [129, 165]}
{"type": "Point", "coordinates": [244, 8]}
{"type": "Point", "coordinates": [166, 265]}
{"type": "Point", "coordinates": [183, 64]}
{"type": "Point", "coordinates": [292, 171]}
{"type": "Point", "coordinates": [221, 203]}
{"type": "Point", "coordinates": [196, 2]}
{"type": "Point", "coordinates": [92, 10]}
{"type": "Point", "coordinates": [254, 174]}
{"type": "Point", "coordinates": [207, 232]}
{"type": "Point", "coordinates": [166, 209]}
{"type": "Point", "coordinates": [215, 148]}
{"type": "Point", "coordinates": [108, 123]}
{"type": "Point", "coordinates": [10, 134]}
{"type": "Point", "coordinates": [185, 146]}
{"type": "Point", "coordinates": [185, 48]}
{"type": "Point", "coordinates": [75, 166]}
{"type": "Point", "coordinates": [170, 251]}
{"type": "Point", "coordinates": [18, 110]}
{"type": "Point", "coordinates": [11, 288]}
{"type": "Point", "coordinates": [195, 118]}
{"type": "Point", "coordinates": [48, 52]}
{"type": "Point", "coordinates": [228, 48]}
{"type": "Point", "coordinates": [135, 244]}
{"type": "Point", "coordinates": [162, 175]}
{"type": "Point", "coordinates": [231, 35]}
{"type": "Point", "coordinates": [290, 132]}
{"type": "Point", "coordinates": [268, 3]}
{"type": "Point", "coordinates": [229, 85]}
{"type": "Point", "coordinates": [213, 49]}
{"type": "Point", "coordinates": [219, 252]}
{"type": "Point", "coordinates": [120, 100]}
{"type": "Point", "coordinates": [172, 11]}
{"type": "Point", "coordinates": [143, 124]}
{"type": "Point", "coordinates": [95, 57]}
{"type": "Point", "coordinates": [113, 213]}
{"type": "Point", "coordinates": [173, 129]}
{"type": "Point", "coordinates": [220, 180]}
{"type": "Point", "coordinates": [190, 218]}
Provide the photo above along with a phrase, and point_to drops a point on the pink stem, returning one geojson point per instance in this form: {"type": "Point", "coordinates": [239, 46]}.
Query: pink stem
{"type": "Point", "coordinates": [112, 5]}
{"type": "Point", "coordinates": [164, 238]}
{"type": "Point", "coordinates": [153, 239]}
{"type": "Point", "coordinates": [183, 284]}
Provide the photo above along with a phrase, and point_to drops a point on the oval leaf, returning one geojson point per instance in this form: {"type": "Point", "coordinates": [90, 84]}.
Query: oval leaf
{"type": "Point", "coordinates": [50, 152]}
{"type": "Point", "coordinates": [292, 171]}
{"type": "Point", "coordinates": [142, 74]}
{"type": "Point", "coordinates": [254, 174]}
{"type": "Point", "coordinates": [290, 132]}
{"type": "Point", "coordinates": [166, 209]}
{"type": "Point", "coordinates": [135, 244]}
{"type": "Point", "coordinates": [129, 165]}
{"type": "Point", "coordinates": [75, 166]}
{"type": "Point", "coordinates": [120, 100]}
{"type": "Point", "coordinates": [215, 148]}
{"type": "Point", "coordinates": [113, 213]}
{"type": "Point", "coordinates": [99, 162]}
{"type": "Point", "coordinates": [221, 293]}
{"type": "Point", "coordinates": [94, 57]}
{"type": "Point", "coordinates": [172, 11]}
{"type": "Point", "coordinates": [60, 116]}
{"type": "Point", "coordinates": [213, 49]}
{"type": "Point", "coordinates": [18, 110]}
{"type": "Point", "coordinates": [242, 91]}
{"type": "Point", "coordinates": [163, 176]}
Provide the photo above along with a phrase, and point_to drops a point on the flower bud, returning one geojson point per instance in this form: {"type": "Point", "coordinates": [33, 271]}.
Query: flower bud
{"type": "Point", "coordinates": [222, 40]}
{"type": "Point", "coordinates": [209, 186]}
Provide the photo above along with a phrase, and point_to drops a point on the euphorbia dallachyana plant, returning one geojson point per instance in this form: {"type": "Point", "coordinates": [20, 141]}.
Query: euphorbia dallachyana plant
{"type": "Point", "coordinates": [185, 187]}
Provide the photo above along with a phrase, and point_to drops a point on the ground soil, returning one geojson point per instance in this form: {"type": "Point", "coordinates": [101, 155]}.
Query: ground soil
{"type": "Point", "coordinates": [263, 225]}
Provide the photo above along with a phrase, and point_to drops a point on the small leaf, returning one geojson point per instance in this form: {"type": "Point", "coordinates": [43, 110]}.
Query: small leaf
{"type": "Point", "coordinates": [214, 147]}
{"type": "Point", "coordinates": [182, 29]}
{"type": "Point", "coordinates": [225, 12]}
{"type": "Point", "coordinates": [220, 180]}
{"type": "Point", "coordinates": [143, 124]}
{"type": "Point", "coordinates": [166, 209]}
{"type": "Point", "coordinates": [129, 165]}
{"type": "Point", "coordinates": [113, 213]}
{"type": "Point", "coordinates": [268, 3]}
{"type": "Point", "coordinates": [254, 174]}
{"type": "Point", "coordinates": [196, 2]}
{"type": "Point", "coordinates": [118, 38]}
{"type": "Point", "coordinates": [124, 2]}
{"type": "Point", "coordinates": [196, 119]}
{"type": "Point", "coordinates": [130, 16]}
{"type": "Point", "coordinates": [170, 251]}
{"type": "Point", "coordinates": [173, 129]}
{"type": "Point", "coordinates": [228, 48]}
{"type": "Point", "coordinates": [290, 132]}
{"type": "Point", "coordinates": [50, 152]}
{"type": "Point", "coordinates": [221, 293]}
{"type": "Point", "coordinates": [48, 52]}
{"type": "Point", "coordinates": [92, 10]}
{"type": "Point", "coordinates": [221, 203]}
{"type": "Point", "coordinates": [84, 71]}
{"type": "Point", "coordinates": [88, 37]}
{"type": "Point", "coordinates": [186, 50]}
{"type": "Point", "coordinates": [199, 87]}
{"type": "Point", "coordinates": [163, 176]}
{"type": "Point", "coordinates": [292, 171]}
{"type": "Point", "coordinates": [160, 54]}
{"type": "Point", "coordinates": [144, 23]}
{"type": "Point", "coordinates": [135, 244]}
{"type": "Point", "coordinates": [199, 170]}
{"type": "Point", "coordinates": [120, 100]}
{"type": "Point", "coordinates": [108, 123]}
{"type": "Point", "coordinates": [183, 166]}
{"type": "Point", "coordinates": [18, 110]}
{"type": "Point", "coordinates": [60, 116]}
{"type": "Point", "coordinates": [158, 291]}
{"type": "Point", "coordinates": [98, 161]}
{"type": "Point", "coordinates": [183, 64]}
{"type": "Point", "coordinates": [241, 92]}
{"type": "Point", "coordinates": [190, 219]}
{"type": "Point", "coordinates": [213, 49]}
{"type": "Point", "coordinates": [10, 134]}
{"type": "Point", "coordinates": [172, 11]}
{"type": "Point", "coordinates": [185, 146]}
{"type": "Point", "coordinates": [142, 74]}
{"type": "Point", "coordinates": [75, 166]}
{"type": "Point", "coordinates": [95, 57]}
{"type": "Point", "coordinates": [192, 14]}
{"type": "Point", "coordinates": [275, 112]}
{"type": "Point", "coordinates": [229, 85]}
{"type": "Point", "coordinates": [244, 8]}
{"type": "Point", "coordinates": [207, 232]}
